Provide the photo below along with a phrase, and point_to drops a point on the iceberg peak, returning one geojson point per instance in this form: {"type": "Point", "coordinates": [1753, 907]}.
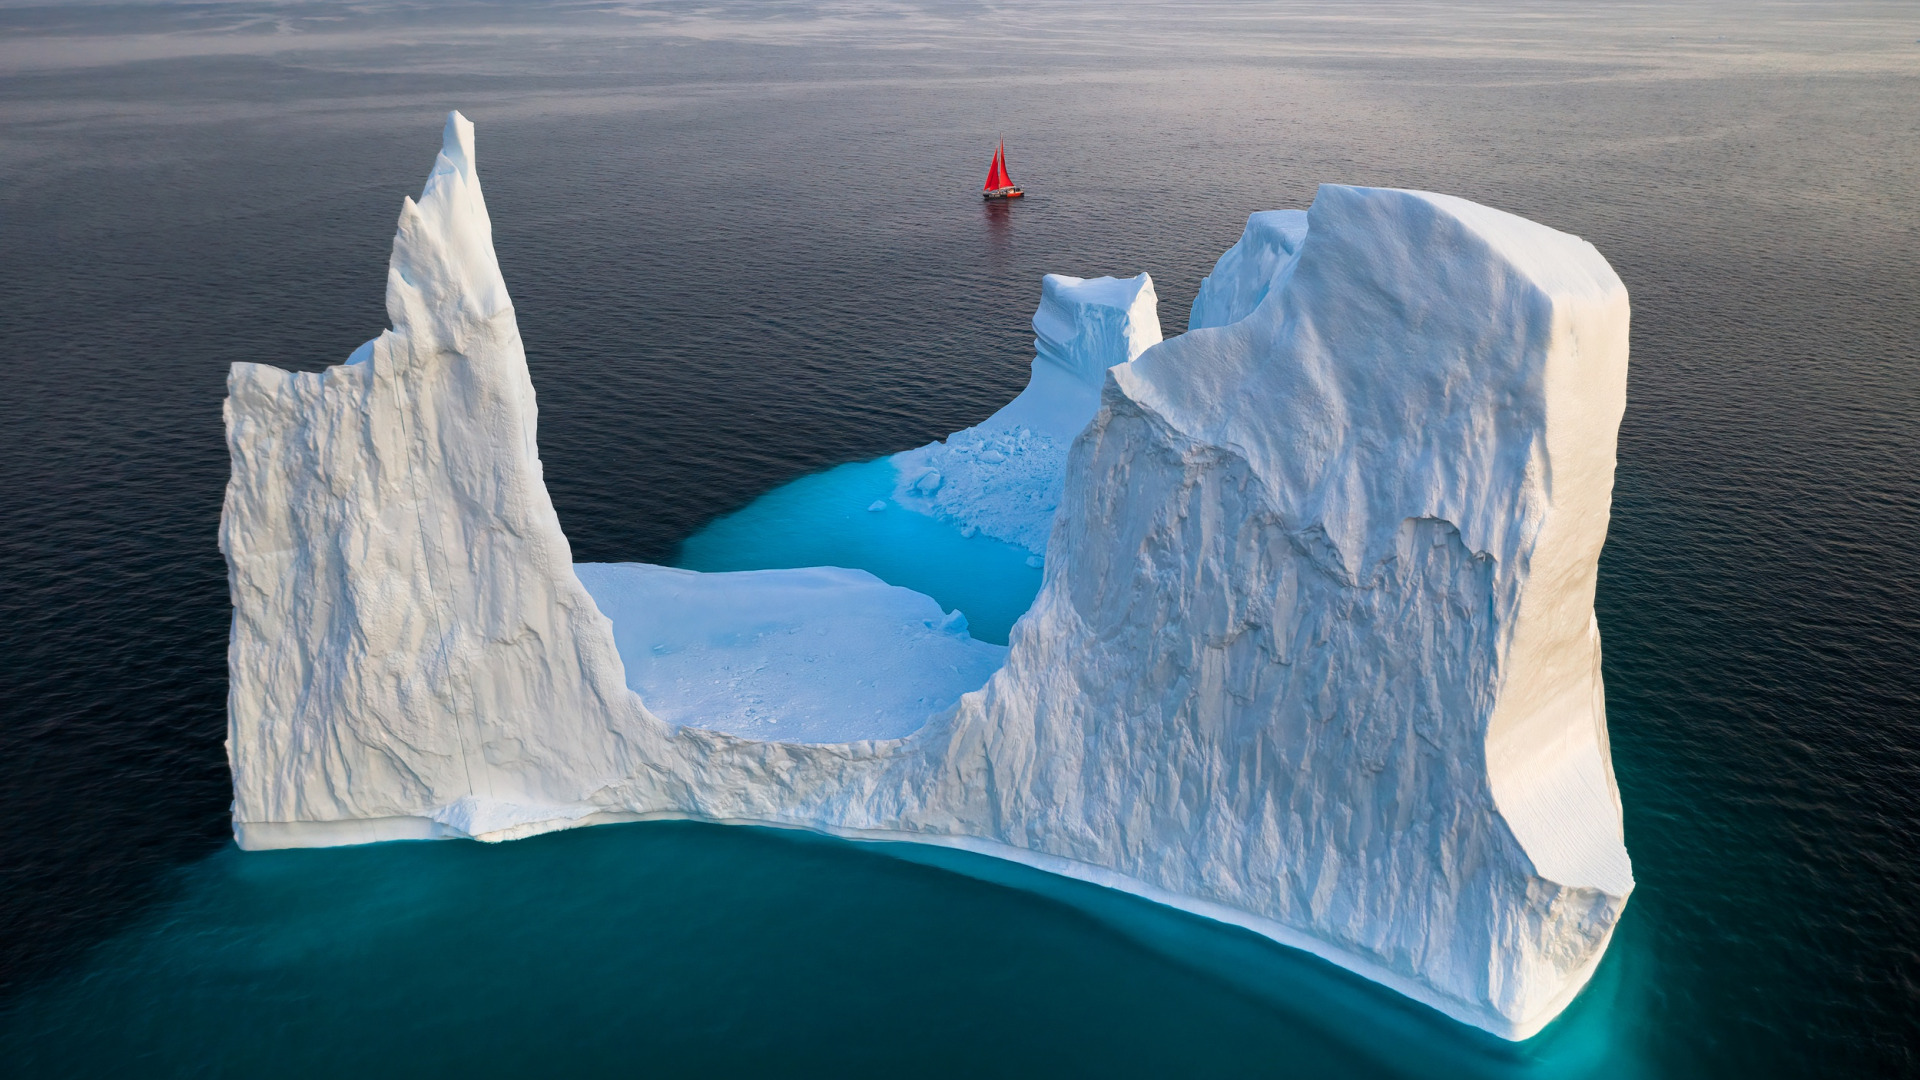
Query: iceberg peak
{"type": "Point", "coordinates": [443, 260]}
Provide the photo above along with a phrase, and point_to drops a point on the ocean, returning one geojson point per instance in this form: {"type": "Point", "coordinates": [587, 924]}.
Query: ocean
{"type": "Point", "coordinates": [745, 246]}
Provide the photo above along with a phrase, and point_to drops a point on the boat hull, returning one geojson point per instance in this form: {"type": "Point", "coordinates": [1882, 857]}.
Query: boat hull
{"type": "Point", "coordinates": [1004, 193]}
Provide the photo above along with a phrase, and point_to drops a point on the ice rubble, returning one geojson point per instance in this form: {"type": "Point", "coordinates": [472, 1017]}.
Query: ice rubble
{"type": "Point", "coordinates": [1314, 653]}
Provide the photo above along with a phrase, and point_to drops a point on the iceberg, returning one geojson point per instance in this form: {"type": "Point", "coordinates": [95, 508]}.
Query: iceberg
{"type": "Point", "coordinates": [1313, 651]}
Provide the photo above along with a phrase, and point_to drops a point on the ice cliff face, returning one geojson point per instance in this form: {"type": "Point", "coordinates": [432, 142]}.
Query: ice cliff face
{"type": "Point", "coordinates": [1314, 655]}
{"type": "Point", "coordinates": [1343, 552]}
{"type": "Point", "coordinates": [1003, 476]}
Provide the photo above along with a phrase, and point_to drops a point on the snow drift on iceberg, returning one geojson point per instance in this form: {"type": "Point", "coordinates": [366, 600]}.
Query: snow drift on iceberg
{"type": "Point", "coordinates": [1314, 651]}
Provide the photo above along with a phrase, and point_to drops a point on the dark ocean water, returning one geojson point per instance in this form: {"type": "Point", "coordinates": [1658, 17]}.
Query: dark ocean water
{"type": "Point", "coordinates": [744, 246]}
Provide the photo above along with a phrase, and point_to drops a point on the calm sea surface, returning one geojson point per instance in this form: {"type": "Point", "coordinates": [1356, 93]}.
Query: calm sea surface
{"type": "Point", "coordinates": [745, 245]}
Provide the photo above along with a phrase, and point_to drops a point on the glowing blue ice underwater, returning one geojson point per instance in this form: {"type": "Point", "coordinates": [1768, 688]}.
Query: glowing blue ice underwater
{"type": "Point", "coordinates": [847, 516]}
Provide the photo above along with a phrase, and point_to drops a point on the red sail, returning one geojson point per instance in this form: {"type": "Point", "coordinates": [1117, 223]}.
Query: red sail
{"type": "Point", "coordinates": [997, 172]}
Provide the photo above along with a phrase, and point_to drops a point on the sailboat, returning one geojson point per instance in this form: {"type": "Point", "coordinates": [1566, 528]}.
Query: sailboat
{"type": "Point", "coordinates": [999, 184]}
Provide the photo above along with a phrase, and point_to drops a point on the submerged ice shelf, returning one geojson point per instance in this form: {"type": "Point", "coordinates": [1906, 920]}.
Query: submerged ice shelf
{"type": "Point", "coordinates": [828, 519]}
{"type": "Point", "coordinates": [1312, 653]}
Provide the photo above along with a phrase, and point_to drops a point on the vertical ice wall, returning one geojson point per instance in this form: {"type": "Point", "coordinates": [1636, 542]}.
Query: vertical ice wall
{"type": "Point", "coordinates": [1341, 553]}
{"type": "Point", "coordinates": [1315, 651]}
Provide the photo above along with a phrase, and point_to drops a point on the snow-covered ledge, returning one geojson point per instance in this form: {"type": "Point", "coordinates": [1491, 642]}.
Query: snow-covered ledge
{"type": "Point", "coordinates": [1314, 653]}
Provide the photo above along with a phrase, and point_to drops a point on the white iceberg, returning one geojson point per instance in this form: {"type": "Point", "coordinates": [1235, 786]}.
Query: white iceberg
{"type": "Point", "coordinates": [1314, 653]}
